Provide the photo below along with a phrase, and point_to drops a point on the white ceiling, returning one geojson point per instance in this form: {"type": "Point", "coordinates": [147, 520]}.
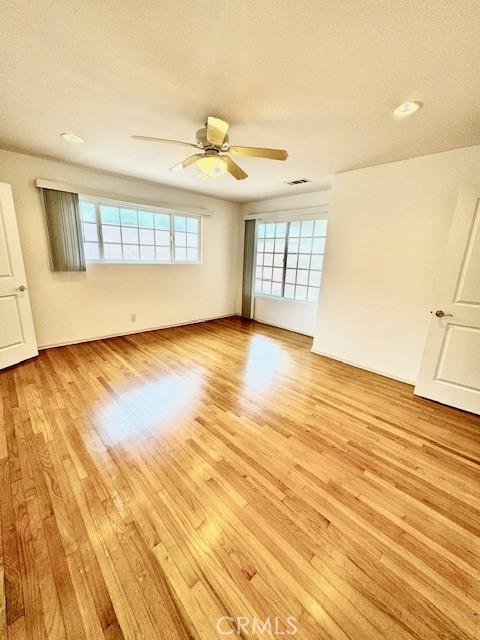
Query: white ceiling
{"type": "Point", "coordinates": [318, 78]}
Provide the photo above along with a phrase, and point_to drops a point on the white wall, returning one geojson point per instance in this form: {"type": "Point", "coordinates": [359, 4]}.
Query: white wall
{"type": "Point", "coordinates": [387, 232]}
{"type": "Point", "coordinates": [288, 314]}
{"type": "Point", "coordinates": [77, 306]}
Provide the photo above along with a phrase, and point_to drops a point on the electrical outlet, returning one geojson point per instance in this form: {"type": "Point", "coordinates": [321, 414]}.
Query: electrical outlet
{"type": "Point", "coordinates": [133, 317]}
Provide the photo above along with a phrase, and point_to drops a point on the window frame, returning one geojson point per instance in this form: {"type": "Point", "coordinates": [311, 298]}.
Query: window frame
{"type": "Point", "coordinates": [288, 219]}
{"type": "Point", "coordinates": [98, 201]}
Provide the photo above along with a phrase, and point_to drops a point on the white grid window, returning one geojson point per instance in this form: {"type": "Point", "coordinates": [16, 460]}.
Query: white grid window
{"type": "Point", "coordinates": [271, 239]}
{"type": "Point", "coordinates": [289, 259]}
{"type": "Point", "coordinates": [186, 239]}
{"type": "Point", "coordinates": [128, 234]}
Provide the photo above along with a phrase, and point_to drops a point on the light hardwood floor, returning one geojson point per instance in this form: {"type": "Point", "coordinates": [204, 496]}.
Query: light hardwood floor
{"type": "Point", "coordinates": [154, 484]}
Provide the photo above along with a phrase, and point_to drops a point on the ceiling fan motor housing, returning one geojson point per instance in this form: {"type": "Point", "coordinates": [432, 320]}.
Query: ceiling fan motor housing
{"type": "Point", "coordinates": [201, 138]}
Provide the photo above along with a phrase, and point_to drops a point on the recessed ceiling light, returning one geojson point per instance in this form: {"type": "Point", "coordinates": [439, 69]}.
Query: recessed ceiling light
{"type": "Point", "coordinates": [72, 137]}
{"type": "Point", "coordinates": [406, 109]}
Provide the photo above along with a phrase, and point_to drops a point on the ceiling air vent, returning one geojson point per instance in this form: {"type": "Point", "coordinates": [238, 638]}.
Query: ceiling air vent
{"type": "Point", "coordinates": [298, 181]}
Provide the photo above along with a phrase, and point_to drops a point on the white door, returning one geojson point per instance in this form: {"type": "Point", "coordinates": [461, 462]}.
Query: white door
{"type": "Point", "coordinates": [450, 371]}
{"type": "Point", "coordinates": [17, 336]}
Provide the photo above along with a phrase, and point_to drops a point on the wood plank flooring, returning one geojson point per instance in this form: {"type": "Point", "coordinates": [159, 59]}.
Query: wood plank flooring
{"type": "Point", "coordinates": [164, 484]}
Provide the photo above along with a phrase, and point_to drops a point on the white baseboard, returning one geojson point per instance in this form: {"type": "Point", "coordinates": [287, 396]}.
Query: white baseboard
{"type": "Point", "coordinates": [358, 365]}
{"type": "Point", "coordinates": [226, 315]}
{"type": "Point", "coordinates": [129, 333]}
{"type": "Point", "coordinates": [282, 326]}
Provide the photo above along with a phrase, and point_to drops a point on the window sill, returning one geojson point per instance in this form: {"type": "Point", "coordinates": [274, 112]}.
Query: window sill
{"type": "Point", "coordinates": [280, 299]}
{"type": "Point", "coordinates": [140, 262]}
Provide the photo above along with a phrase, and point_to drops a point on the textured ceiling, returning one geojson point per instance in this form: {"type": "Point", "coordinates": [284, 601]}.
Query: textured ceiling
{"type": "Point", "coordinates": [319, 78]}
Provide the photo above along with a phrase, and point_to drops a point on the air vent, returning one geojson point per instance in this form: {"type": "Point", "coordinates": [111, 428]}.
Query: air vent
{"type": "Point", "coordinates": [298, 181]}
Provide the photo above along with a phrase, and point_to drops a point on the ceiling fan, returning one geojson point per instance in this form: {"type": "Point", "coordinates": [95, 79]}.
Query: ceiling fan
{"type": "Point", "coordinates": [213, 141]}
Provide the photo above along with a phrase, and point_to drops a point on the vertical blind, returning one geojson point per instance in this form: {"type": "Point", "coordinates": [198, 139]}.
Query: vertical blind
{"type": "Point", "coordinates": [62, 212]}
{"type": "Point", "coordinates": [248, 258]}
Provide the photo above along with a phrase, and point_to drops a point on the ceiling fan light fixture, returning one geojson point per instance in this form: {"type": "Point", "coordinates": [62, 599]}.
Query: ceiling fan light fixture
{"type": "Point", "coordinates": [211, 166]}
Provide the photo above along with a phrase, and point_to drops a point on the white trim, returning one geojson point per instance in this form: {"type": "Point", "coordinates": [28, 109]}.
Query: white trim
{"type": "Point", "coordinates": [358, 365]}
{"type": "Point", "coordinates": [282, 326]}
{"type": "Point", "coordinates": [319, 212]}
{"type": "Point", "coordinates": [283, 299]}
{"type": "Point", "coordinates": [174, 208]}
{"type": "Point", "coordinates": [129, 333]}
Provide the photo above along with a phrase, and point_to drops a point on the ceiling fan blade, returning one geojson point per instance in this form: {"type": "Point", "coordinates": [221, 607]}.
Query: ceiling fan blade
{"type": "Point", "coordinates": [232, 167]}
{"type": "Point", "coordinates": [216, 130]}
{"type": "Point", "coordinates": [150, 139]}
{"type": "Point", "coordinates": [258, 152]}
{"type": "Point", "coordinates": [187, 162]}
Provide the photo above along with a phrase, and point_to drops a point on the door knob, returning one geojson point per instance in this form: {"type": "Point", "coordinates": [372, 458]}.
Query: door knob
{"type": "Point", "coordinates": [441, 314]}
{"type": "Point", "coordinates": [22, 288]}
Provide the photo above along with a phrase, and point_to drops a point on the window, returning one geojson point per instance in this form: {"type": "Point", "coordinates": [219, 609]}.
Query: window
{"type": "Point", "coordinates": [125, 233]}
{"type": "Point", "coordinates": [289, 259]}
{"type": "Point", "coordinates": [271, 239]}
